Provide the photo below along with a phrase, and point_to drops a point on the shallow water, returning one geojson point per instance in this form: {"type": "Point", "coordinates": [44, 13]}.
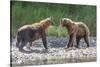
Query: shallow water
{"type": "Point", "coordinates": [56, 61]}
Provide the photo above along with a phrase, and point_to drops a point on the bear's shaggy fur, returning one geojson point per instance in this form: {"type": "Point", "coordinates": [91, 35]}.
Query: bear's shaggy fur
{"type": "Point", "coordinates": [76, 30]}
{"type": "Point", "coordinates": [29, 33]}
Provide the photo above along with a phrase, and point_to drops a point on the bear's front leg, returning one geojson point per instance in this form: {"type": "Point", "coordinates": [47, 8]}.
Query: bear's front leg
{"type": "Point", "coordinates": [70, 41]}
{"type": "Point", "coordinates": [44, 40]}
{"type": "Point", "coordinates": [74, 44]}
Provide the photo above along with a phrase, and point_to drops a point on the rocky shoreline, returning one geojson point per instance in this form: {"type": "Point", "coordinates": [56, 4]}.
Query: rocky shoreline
{"type": "Point", "coordinates": [56, 54]}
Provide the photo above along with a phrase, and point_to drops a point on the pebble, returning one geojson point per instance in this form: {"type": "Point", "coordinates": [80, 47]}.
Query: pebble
{"type": "Point", "coordinates": [55, 52]}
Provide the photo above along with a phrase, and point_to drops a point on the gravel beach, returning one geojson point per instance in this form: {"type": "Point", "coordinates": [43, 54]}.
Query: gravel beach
{"type": "Point", "coordinates": [56, 54]}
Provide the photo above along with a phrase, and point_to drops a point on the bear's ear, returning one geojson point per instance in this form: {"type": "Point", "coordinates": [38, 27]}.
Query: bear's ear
{"type": "Point", "coordinates": [50, 18]}
{"type": "Point", "coordinates": [63, 20]}
{"type": "Point", "coordinates": [60, 20]}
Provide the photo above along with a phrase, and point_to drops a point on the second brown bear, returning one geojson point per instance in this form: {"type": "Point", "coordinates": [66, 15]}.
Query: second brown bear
{"type": "Point", "coordinates": [76, 30]}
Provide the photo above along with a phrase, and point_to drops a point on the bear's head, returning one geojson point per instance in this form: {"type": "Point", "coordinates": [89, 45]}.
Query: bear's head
{"type": "Point", "coordinates": [65, 22]}
{"type": "Point", "coordinates": [47, 22]}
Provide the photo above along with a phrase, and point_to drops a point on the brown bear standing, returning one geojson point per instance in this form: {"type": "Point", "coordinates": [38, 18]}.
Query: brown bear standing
{"type": "Point", "coordinates": [29, 33]}
{"type": "Point", "coordinates": [76, 30]}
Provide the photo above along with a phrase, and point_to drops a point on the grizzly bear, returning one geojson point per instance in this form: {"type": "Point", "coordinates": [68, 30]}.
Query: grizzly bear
{"type": "Point", "coordinates": [29, 33]}
{"type": "Point", "coordinates": [76, 30]}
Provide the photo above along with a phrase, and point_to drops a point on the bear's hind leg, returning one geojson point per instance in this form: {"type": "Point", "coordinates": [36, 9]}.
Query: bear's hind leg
{"type": "Point", "coordinates": [29, 45]}
{"type": "Point", "coordinates": [86, 38]}
{"type": "Point", "coordinates": [18, 42]}
{"type": "Point", "coordinates": [77, 41]}
{"type": "Point", "coordinates": [22, 45]}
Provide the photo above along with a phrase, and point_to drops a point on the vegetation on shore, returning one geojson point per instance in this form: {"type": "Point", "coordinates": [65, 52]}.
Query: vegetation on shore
{"type": "Point", "coordinates": [23, 13]}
